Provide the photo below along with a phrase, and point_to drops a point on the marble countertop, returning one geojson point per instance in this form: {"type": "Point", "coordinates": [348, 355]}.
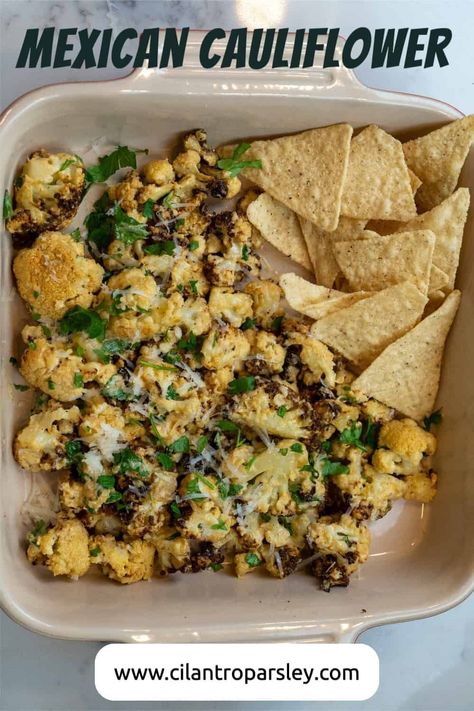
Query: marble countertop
{"type": "Point", "coordinates": [425, 665]}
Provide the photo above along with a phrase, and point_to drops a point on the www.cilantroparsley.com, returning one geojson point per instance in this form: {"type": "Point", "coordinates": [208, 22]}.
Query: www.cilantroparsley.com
{"type": "Point", "coordinates": [237, 48]}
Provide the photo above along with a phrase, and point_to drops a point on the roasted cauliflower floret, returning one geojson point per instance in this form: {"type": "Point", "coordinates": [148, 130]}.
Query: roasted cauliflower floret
{"type": "Point", "coordinates": [344, 545]}
{"type": "Point", "coordinates": [420, 487]}
{"type": "Point", "coordinates": [132, 290]}
{"type": "Point", "coordinates": [273, 408]}
{"type": "Point", "coordinates": [47, 193]}
{"type": "Point", "coordinates": [267, 356]}
{"type": "Point", "coordinates": [224, 348]}
{"type": "Point", "coordinates": [159, 172]}
{"type": "Point", "coordinates": [64, 549]}
{"type": "Point", "coordinates": [267, 301]}
{"type": "Point", "coordinates": [40, 445]}
{"type": "Point", "coordinates": [122, 561]}
{"type": "Point", "coordinates": [204, 514]}
{"type": "Point", "coordinates": [195, 316]}
{"type": "Point", "coordinates": [54, 275]}
{"type": "Point", "coordinates": [233, 307]}
{"type": "Point", "coordinates": [247, 562]}
{"type": "Point", "coordinates": [149, 513]}
{"type": "Point", "coordinates": [282, 561]}
{"type": "Point", "coordinates": [402, 446]}
{"type": "Point", "coordinates": [172, 551]}
{"type": "Point", "coordinates": [317, 357]}
{"type": "Point", "coordinates": [103, 428]}
{"type": "Point", "coordinates": [376, 496]}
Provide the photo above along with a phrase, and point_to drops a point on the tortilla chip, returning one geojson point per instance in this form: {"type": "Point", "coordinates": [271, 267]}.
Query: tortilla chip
{"type": "Point", "coordinates": [305, 171]}
{"type": "Point", "coordinates": [439, 280]}
{"type": "Point", "coordinates": [406, 375]}
{"type": "Point", "coordinates": [447, 222]}
{"type": "Point", "coordinates": [388, 227]}
{"type": "Point", "coordinates": [415, 182]}
{"type": "Point", "coordinates": [319, 244]}
{"type": "Point", "coordinates": [280, 226]}
{"type": "Point", "coordinates": [316, 301]}
{"type": "Point", "coordinates": [375, 262]}
{"type": "Point", "coordinates": [362, 331]}
{"type": "Point", "coordinates": [437, 159]}
{"type": "Point", "coordinates": [377, 184]}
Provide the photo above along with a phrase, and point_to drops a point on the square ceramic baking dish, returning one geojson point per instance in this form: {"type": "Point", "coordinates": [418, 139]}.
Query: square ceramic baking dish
{"type": "Point", "coordinates": [422, 559]}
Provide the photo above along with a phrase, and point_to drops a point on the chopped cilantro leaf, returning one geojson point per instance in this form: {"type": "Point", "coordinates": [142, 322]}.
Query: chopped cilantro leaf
{"type": "Point", "coordinates": [127, 461]}
{"type": "Point", "coordinates": [46, 331]}
{"type": "Point", "coordinates": [227, 426]}
{"type": "Point", "coordinates": [156, 366]}
{"type": "Point", "coordinates": [76, 235]}
{"type": "Point", "coordinates": [201, 444]}
{"type": "Point", "coordinates": [79, 319]}
{"type": "Point", "coordinates": [21, 388]}
{"type": "Point", "coordinates": [253, 560]}
{"type": "Point", "coordinates": [121, 157]}
{"type": "Point", "coordinates": [51, 384]}
{"type": "Point", "coordinates": [39, 529]}
{"type": "Point", "coordinates": [148, 210]}
{"type": "Point", "coordinates": [166, 246]}
{"type": "Point", "coordinates": [78, 380]}
{"type": "Point", "coordinates": [216, 566]}
{"type": "Point", "coordinates": [113, 389]}
{"type": "Point", "coordinates": [95, 552]}
{"type": "Point", "coordinates": [281, 412]}
{"type": "Point", "coordinates": [168, 201]}
{"type": "Point", "coordinates": [106, 481]}
{"type": "Point", "coordinates": [244, 384]}
{"type": "Point", "coordinates": [172, 394]}
{"type": "Point", "coordinates": [112, 346]}
{"type": "Point", "coordinates": [276, 324]}
{"type": "Point", "coordinates": [180, 445]}
{"type": "Point", "coordinates": [175, 510]}
{"type": "Point", "coordinates": [194, 244]}
{"type": "Point", "coordinates": [7, 205]}
{"type": "Point", "coordinates": [245, 253]}
{"type": "Point", "coordinates": [227, 489]}
{"type": "Point", "coordinates": [73, 450]}
{"type": "Point", "coordinates": [32, 345]}
{"type": "Point", "coordinates": [114, 497]}
{"type": "Point", "coordinates": [434, 419]}
{"type": "Point", "coordinates": [334, 468]}
{"type": "Point", "coordinates": [297, 447]}
{"type": "Point", "coordinates": [233, 165]}
{"type": "Point", "coordinates": [352, 436]}
{"type": "Point", "coordinates": [126, 228]}
{"type": "Point", "coordinates": [248, 465]}
{"type": "Point", "coordinates": [248, 323]}
{"type": "Point", "coordinates": [165, 461]}
{"type": "Point", "coordinates": [219, 526]}
{"type": "Point", "coordinates": [193, 285]}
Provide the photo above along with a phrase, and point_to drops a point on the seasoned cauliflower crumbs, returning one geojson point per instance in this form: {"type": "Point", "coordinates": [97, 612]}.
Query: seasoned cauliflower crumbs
{"type": "Point", "coordinates": [197, 426]}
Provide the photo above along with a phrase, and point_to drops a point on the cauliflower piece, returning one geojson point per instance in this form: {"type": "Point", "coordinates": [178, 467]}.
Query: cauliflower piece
{"type": "Point", "coordinates": [217, 381]}
{"type": "Point", "coordinates": [247, 562]}
{"type": "Point", "coordinates": [266, 355]}
{"type": "Point", "coordinates": [406, 444]}
{"type": "Point", "coordinates": [40, 445]}
{"type": "Point", "coordinates": [52, 369]}
{"type": "Point", "coordinates": [159, 172]}
{"type": "Point", "coordinates": [54, 275]}
{"type": "Point", "coordinates": [273, 408]}
{"type": "Point", "coordinates": [103, 429]}
{"type": "Point", "coordinates": [421, 487]}
{"type": "Point", "coordinates": [197, 141]}
{"type": "Point", "coordinates": [149, 513]}
{"type": "Point", "coordinates": [187, 163]}
{"type": "Point", "coordinates": [187, 276]}
{"type": "Point", "coordinates": [282, 561]}
{"type": "Point", "coordinates": [267, 301]}
{"type": "Point", "coordinates": [132, 290]}
{"type": "Point", "coordinates": [121, 561]}
{"type": "Point", "coordinates": [317, 357]}
{"type": "Point", "coordinates": [377, 411]}
{"type": "Point", "coordinates": [203, 514]}
{"type": "Point", "coordinates": [224, 348]}
{"type": "Point", "coordinates": [64, 549]}
{"type": "Point", "coordinates": [47, 193]}
{"type": "Point", "coordinates": [232, 306]}
{"type": "Point", "coordinates": [344, 545]}
{"type": "Point", "coordinates": [378, 492]}
{"type": "Point", "coordinates": [172, 551]}
{"type": "Point", "coordinates": [195, 316]}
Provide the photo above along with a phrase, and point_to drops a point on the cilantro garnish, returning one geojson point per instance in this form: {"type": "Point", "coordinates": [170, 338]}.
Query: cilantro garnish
{"type": "Point", "coordinates": [78, 319]}
{"type": "Point", "coordinates": [369, 433]}
{"type": "Point", "coordinates": [39, 529]}
{"type": "Point", "coordinates": [7, 205]}
{"type": "Point", "coordinates": [95, 552]}
{"type": "Point", "coordinates": [168, 201]}
{"type": "Point", "coordinates": [216, 566]}
{"type": "Point", "coordinates": [219, 526]}
{"type": "Point", "coordinates": [126, 228]}
{"type": "Point", "coordinates": [166, 246]}
{"type": "Point", "coordinates": [180, 445]}
{"type": "Point", "coordinates": [233, 165]}
{"type": "Point", "coordinates": [165, 461]}
{"type": "Point", "coordinates": [297, 447]}
{"type": "Point", "coordinates": [194, 244]}
{"type": "Point", "coordinates": [253, 560]}
{"type": "Point", "coordinates": [248, 323]}
{"type": "Point", "coordinates": [175, 510]}
{"type": "Point", "coordinates": [73, 450]}
{"type": "Point", "coordinates": [245, 253]}
{"type": "Point", "coordinates": [51, 384]}
{"type": "Point", "coordinates": [106, 481]}
{"type": "Point", "coordinates": [78, 380]}
{"type": "Point", "coordinates": [226, 489]}
{"type": "Point", "coordinates": [148, 209]}
{"type": "Point", "coordinates": [113, 390]}
{"type": "Point", "coordinates": [157, 366]}
{"type": "Point", "coordinates": [333, 468]}
{"type": "Point", "coordinates": [244, 384]}
{"type": "Point", "coordinates": [276, 324]}
{"type": "Point", "coordinates": [249, 464]}
{"type": "Point", "coordinates": [121, 157]}
{"type": "Point", "coordinates": [114, 497]}
{"type": "Point", "coordinates": [434, 419]}
{"type": "Point", "coordinates": [227, 426]}
{"type": "Point", "coordinates": [193, 285]}
{"type": "Point", "coordinates": [201, 444]}
{"type": "Point", "coordinates": [76, 235]}
{"type": "Point", "coordinates": [127, 461]}
{"type": "Point", "coordinates": [111, 346]}
{"type": "Point", "coordinates": [67, 163]}
{"type": "Point", "coordinates": [172, 393]}
{"type": "Point", "coordinates": [282, 410]}
{"type": "Point", "coordinates": [352, 436]}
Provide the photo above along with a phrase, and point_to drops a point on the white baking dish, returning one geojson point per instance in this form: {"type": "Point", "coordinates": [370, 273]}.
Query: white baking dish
{"type": "Point", "coordinates": [422, 558]}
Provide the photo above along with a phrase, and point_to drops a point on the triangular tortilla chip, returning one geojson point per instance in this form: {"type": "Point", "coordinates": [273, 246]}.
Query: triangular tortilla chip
{"type": "Point", "coordinates": [375, 262]}
{"type": "Point", "coordinates": [362, 331]}
{"type": "Point", "coordinates": [280, 226]}
{"type": "Point", "coordinates": [316, 301]}
{"type": "Point", "coordinates": [377, 184]}
{"type": "Point", "coordinates": [437, 159]}
{"type": "Point", "coordinates": [439, 280]}
{"type": "Point", "coordinates": [319, 244]}
{"type": "Point", "coordinates": [447, 222]}
{"type": "Point", "coordinates": [388, 227]}
{"type": "Point", "coordinates": [415, 182]}
{"type": "Point", "coordinates": [406, 375]}
{"type": "Point", "coordinates": [305, 171]}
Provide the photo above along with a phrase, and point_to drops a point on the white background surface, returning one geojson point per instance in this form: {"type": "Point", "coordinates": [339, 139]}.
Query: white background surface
{"type": "Point", "coordinates": [425, 665]}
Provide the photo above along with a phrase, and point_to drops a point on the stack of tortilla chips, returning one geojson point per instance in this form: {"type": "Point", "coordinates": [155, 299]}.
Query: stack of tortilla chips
{"type": "Point", "coordinates": [380, 224]}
